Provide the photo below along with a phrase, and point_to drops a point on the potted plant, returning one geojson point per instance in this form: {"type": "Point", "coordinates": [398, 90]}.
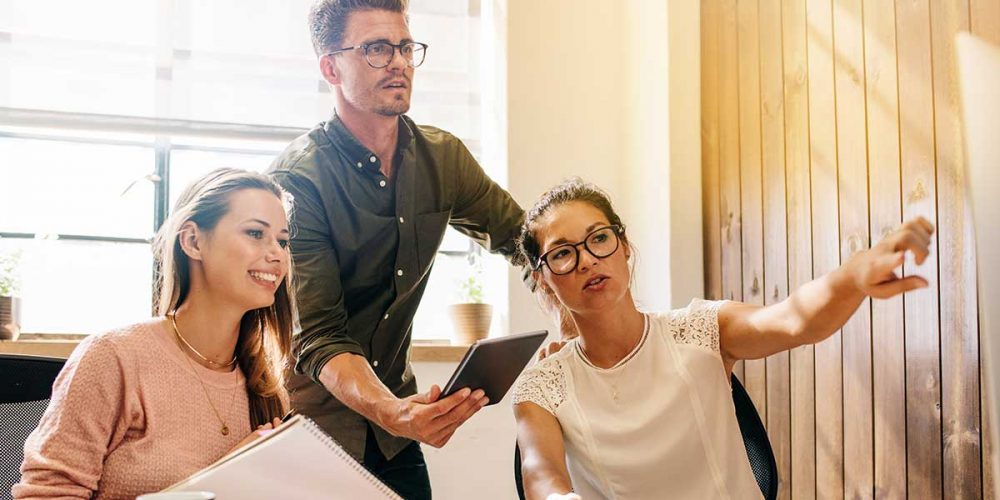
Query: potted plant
{"type": "Point", "coordinates": [10, 303]}
{"type": "Point", "coordinates": [471, 316]}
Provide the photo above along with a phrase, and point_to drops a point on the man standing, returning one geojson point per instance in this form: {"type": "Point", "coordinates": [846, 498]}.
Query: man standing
{"type": "Point", "coordinates": [374, 194]}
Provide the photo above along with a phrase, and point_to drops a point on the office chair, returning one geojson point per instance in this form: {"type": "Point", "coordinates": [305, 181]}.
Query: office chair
{"type": "Point", "coordinates": [25, 388]}
{"type": "Point", "coordinates": [755, 440]}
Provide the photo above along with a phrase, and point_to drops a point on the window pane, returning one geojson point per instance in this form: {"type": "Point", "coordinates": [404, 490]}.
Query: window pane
{"type": "Point", "coordinates": [432, 321]}
{"type": "Point", "coordinates": [262, 28]}
{"type": "Point", "coordinates": [63, 76]}
{"type": "Point", "coordinates": [237, 61]}
{"type": "Point", "coordinates": [446, 90]}
{"type": "Point", "coordinates": [455, 241]}
{"type": "Point", "coordinates": [249, 89]}
{"type": "Point", "coordinates": [93, 20]}
{"type": "Point", "coordinates": [82, 286]}
{"type": "Point", "coordinates": [246, 61]}
{"type": "Point", "coordinates": [188, 165]}
{"type": "Point", "coordinates": [76, 188]}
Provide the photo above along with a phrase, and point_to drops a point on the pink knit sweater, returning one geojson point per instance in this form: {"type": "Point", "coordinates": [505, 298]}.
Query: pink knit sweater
{"type": "Point", "coordinates": [128, 417]}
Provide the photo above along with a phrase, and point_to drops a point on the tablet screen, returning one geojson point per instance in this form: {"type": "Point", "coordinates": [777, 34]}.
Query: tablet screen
{"type": "Point", "coordinates": [494, 364]}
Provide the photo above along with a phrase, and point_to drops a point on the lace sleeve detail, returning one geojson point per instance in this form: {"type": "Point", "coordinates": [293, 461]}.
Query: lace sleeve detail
{"type": "Point", "coordinates": [698, 324]}
{"type": "Point", "coordinates": [543, 384]}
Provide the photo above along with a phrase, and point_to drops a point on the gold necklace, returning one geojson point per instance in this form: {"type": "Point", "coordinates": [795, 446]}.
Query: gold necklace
{"type": "Point", "coordinates": [173, 322]}
{"type": "Point", "coordinates": [615, 378]}
{"type": "Point", "coordinates": [225, 426]}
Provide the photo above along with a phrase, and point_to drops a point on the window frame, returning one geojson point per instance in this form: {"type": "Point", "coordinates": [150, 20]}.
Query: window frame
{"type": "Point", "coordinates": [168, 47]}
{"type": "Point", "coordinates": [59, 126]}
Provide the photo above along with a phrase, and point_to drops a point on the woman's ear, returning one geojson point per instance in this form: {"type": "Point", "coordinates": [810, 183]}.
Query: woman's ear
{"type": "Point", "coordinates": [544, 294]}
{"type": "Point", "coordinates": [191, 238]}
{"type": "Point", "coordinates": [543, 287]}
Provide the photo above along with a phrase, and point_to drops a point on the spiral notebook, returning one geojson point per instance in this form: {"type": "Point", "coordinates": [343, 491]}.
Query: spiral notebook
{"type": "Point", "coordinates": [297, 460]}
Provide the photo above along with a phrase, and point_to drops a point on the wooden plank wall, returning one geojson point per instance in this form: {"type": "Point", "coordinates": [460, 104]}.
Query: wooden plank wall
{"type": "Point", "coordinates": [825, 124]}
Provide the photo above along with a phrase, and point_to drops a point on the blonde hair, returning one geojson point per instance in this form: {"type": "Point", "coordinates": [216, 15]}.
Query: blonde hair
{"type": "Point", "coordinates": [265, 334]}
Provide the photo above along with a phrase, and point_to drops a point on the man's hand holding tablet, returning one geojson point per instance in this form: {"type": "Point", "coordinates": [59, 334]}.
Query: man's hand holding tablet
{"type": "Point", "coordinates": [494, 364]}
{"type": "Point", "coordinates": [485, 374]}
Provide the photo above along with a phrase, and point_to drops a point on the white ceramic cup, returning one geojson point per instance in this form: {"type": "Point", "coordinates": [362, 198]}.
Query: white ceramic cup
{"type": "Point", "coordinates": [178, 495]}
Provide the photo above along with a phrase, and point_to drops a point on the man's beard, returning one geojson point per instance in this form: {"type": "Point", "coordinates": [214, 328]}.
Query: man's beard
{"type": "Point", "coordinates": [395, 108]}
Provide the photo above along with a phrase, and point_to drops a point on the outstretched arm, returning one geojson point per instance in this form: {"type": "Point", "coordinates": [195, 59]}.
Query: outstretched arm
{"type": "Point", "coordinates": [821, 307]}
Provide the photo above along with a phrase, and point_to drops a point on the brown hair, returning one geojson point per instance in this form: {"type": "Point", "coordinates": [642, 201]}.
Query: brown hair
{"type": "Point", "coordinates": [328, 19]}
{"type": "Point", "coordinates": [574, 189]}
{"type": "Point", "coordinates": [265, 334]}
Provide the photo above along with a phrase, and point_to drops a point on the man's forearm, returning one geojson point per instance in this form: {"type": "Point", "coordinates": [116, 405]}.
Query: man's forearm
{"type": "Point", "coordinates": [349, 378]}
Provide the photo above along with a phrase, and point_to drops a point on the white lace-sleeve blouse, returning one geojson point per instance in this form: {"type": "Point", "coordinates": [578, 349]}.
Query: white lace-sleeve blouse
{"type": "Point", "coordinates": [659, 424]}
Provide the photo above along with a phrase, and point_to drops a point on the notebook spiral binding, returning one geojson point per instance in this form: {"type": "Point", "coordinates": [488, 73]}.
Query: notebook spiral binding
{"type": "Point", "coordinates": [347, 458]}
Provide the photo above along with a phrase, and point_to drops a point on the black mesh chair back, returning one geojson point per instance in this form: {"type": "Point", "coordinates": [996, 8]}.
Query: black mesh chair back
{"type": "Point", "coordinates": [758, 446]}
{"type": "Point", "coordinates": [518, 480]}
{"type": "Point", "coordinates": [25, 388]}
{"type": "Point", "coordinates": [755, 440]}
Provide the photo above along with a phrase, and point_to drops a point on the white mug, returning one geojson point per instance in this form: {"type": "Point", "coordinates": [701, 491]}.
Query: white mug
{"type": "Point", "coordinates": [178, 495]}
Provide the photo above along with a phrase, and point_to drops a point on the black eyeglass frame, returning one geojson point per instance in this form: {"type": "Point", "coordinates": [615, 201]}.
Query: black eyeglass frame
{"type": "Point", "coordinates": [395, 48]}
{"type": "Point", "coordinates": [617, 231]}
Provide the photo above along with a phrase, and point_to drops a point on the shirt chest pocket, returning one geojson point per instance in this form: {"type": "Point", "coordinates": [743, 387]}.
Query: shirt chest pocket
{"type": "Point", "coordinates": [365, 244]}
{"type": "Point", "coordinates": [430, 228]}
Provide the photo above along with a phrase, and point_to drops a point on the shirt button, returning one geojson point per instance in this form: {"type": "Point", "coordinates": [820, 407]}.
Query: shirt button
{"type": "Point", "coordinates": [386, 316]}
{"type": "Point", "coordinates": [381, 183]}
{"type": "Point", "coordinates": [399, 272]}
{"type": "Point", "coordinates": [401, 220]}
{"type": "Point", "coordinates": [372, 158]}
{"type": "Point", "coordinates": [375, 363]}
{"type": "Point", "coordinates": [359, 164]}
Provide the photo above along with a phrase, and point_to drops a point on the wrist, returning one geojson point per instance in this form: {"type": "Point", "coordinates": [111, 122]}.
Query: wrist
{"type": "Point", "coordinates": [387, 412]}
{"type": "Point", "coordinates": [348, 378]}
{"type": "Point", "coordinates": [852, 278]}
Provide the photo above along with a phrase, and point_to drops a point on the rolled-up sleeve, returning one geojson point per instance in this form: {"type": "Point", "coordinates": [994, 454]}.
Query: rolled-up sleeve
{"type": "Point", "coordinates": [319, 292]}
{"type": "Point", "coordinates": [483, 210]}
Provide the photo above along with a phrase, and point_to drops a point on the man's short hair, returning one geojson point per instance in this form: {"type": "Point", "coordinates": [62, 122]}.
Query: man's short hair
{"type": "Point", "coordinates": [328, 19]}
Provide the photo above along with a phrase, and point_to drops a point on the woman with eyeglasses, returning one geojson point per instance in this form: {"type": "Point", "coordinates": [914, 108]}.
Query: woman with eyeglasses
{"type": "Point", "coordinates": [139, 408]}
{"type": "Point", "coordinates": [639, 405]}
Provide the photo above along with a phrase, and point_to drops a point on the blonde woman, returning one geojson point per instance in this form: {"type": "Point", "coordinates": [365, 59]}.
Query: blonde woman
{"type": "Point", "coordinates": [139, 408]}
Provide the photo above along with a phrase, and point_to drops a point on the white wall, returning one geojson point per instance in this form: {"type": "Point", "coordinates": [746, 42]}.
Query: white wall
{"type": "Point", "coordinates": [602, 90]}
{"type": "Point", "coordinates": [686, 269]}
{"type": "Point", "coordinates": [646, 153]}
{"type": "Point", "coordinates": [478, 461]}
{"type": "Point", "coordinates": [662, 178]}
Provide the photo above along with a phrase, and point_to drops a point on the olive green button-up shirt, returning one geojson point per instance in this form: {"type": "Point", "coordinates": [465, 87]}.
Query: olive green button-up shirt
{"type": "Point", "coordinates": [362, 250]}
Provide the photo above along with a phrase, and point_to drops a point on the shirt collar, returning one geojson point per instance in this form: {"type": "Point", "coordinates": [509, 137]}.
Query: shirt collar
{"type": "Point", "coordinates": [359, 154]}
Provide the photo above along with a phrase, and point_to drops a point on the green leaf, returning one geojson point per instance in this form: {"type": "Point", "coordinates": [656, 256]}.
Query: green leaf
{"type": "Point", "coordinates": [9, 279]}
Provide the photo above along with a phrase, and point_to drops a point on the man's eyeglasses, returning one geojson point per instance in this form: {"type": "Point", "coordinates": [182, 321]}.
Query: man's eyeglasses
{"type": "Point", "coordinates": [380, 54]}
{"type": "Point", "coordinates": [563, 259]}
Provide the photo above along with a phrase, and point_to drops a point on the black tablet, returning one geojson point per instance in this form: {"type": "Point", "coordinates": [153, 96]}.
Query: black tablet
{"type": "Point", "coordinates": [494, 364]}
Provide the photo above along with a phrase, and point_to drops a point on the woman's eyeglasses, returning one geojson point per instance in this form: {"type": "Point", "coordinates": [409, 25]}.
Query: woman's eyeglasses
{"type": "Point", "coordinates": [563, 259]}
